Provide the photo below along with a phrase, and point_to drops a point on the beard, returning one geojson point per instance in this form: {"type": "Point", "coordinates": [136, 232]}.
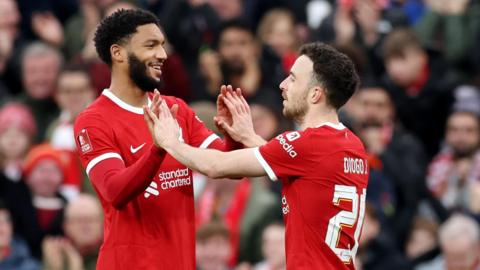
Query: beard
{"type": "Point", "coordinates": [232, 67]}
{"type": "Point", "coordinates": [463, 151]}
{"type": "Point", "coordinates": [297, 109]}
{"type": "Point", "coordinates": [138, 74]}
{"type": "Point", "coordinates": [371, 123]}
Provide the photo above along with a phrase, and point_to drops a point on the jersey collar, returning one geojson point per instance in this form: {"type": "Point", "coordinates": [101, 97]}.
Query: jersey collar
{"type": "Point", "coordinates": [338, 126]}
{"type": "Point", "coordinates": [107, 93]}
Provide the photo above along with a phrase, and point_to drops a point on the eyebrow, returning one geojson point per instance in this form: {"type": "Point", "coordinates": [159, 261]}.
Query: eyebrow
{"type": "Point", "coordinates": [293, 74]}
{"type": "Point", "coordinates": [154, 41]}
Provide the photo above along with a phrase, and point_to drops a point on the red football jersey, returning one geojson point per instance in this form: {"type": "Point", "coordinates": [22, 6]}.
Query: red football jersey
{"type": "Point", "coordinates": [154, 230]}
{"type": "Point", "coordinates": [324, 177]}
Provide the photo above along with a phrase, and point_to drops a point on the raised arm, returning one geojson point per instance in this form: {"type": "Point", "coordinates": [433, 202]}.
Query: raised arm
{"type": "Point", "coordinates": [212, 163]}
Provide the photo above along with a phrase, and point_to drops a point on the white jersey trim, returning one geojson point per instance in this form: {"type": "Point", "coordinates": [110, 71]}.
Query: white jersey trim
{"type": "Point", "coordinates": [338, 126]}
{"type": "Point", "coordinates": [122, 104]}
{"type": "Point", "coordinates": [208, 141]}
{"type": "Point", "coordinates": [264, 164]}
{"type": "Point", "coordinates": [100, 158]}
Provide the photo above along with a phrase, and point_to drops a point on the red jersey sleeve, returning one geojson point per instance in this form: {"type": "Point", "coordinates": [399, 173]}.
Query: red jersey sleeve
{"type": "Point", "coordinates": [285, 155]}
{"type": "Point", "coordinates": [94, 139]}
{"type": "Point", "coordinates": [114, 182]}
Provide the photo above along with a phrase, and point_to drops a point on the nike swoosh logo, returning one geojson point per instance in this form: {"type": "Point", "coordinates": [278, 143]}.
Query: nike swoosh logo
{"type": "Point", "coordinates": [134, 150]}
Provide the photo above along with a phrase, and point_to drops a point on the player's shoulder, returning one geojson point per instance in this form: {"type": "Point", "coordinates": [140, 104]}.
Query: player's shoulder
{"type": "Point", "coordinates": [97, 111]}
{"type": "Point", "coordinates": [333, 137]}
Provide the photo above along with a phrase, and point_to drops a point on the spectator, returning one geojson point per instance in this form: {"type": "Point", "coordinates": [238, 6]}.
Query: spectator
{"type": "Point", "coordinates": [74, 93]}
{"type": "Point", "coordinates": [40, 68]}
{"type": "Point", "coordinates": [17, 130]}
{"type": "Point", "coordinates": [83, 236]}
{"type": "Point", "coordinates": [213, 248]}
{"type": "Point", "coordinates": [14, 253]}
{"type": "Point", "coordinates": [396, 175]}
{"type": "Point", "coordinates": [460, 243]}
{"type": "Point", "coordinates": [422, 247]}
{"type": "Point", "coordinates": [455, 22]}
{"type": "Point", "coordinates": [421, 87]}
{"type": "Point", "coordinates": [377, 250]}
{"type": "Point", "coordinates": [362, 22]}
{"type": "Point", "coordinates": [44, 171]}
{"type": "Point", "coordinates": [277, 30]}
{"type": "Point", "coordinates": [457, 166]}
{"type": "Point", "coordinates": [239, 62]}
{"type": "Point", "coordinates": [273, 248]}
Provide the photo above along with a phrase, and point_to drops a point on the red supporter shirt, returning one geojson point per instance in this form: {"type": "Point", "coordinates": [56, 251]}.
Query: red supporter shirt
{"type": "Point", "coordinates": [324, 178]}
{"type": "Point", "coordinates": [147, 196]}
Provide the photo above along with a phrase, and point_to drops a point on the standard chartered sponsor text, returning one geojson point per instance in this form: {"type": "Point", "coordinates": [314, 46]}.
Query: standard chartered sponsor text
{"type": "Point", "coordinates": [173, 179]}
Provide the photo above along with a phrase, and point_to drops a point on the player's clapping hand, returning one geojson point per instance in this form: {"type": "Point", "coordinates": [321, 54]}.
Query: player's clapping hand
{"type": "Point", "coordinates": [154, 107]}
{"type": "Point", "coordinates": [162, 120]}
{"type": "Point", "coordinates": [240, 126]}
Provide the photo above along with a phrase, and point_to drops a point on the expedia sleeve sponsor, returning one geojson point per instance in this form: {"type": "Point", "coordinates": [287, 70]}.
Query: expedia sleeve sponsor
{"type": "Point", "coordinates": [286, 146]}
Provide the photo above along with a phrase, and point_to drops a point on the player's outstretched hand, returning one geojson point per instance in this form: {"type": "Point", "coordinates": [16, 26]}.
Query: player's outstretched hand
{"type": "Point", "coordinates": [165, 128]}
{"type": "Point", "coordinates": [240, 128]}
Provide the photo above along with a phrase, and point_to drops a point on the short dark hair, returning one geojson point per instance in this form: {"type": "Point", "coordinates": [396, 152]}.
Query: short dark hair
{"type": "Point", "coordinates": [398, 42]}
{"type": "Point", "coordinates": [333, 70]}
{"type": "Point", "coordinates": [118, 28]}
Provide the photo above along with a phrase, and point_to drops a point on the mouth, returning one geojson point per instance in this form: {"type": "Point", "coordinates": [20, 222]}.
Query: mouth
{"type": "Point", "coordinates": [156, 68]}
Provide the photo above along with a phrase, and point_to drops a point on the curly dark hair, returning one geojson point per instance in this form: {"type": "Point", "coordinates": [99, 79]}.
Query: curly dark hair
{"type": "Point", "coordinates": [118, 28]}
{"type": "Point", "coordinates": [333, 70]}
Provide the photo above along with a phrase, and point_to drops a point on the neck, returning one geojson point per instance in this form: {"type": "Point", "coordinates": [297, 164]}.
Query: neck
{"type": "Point", "coordinates": [125, 89]}
{"type": "Point", "coordinates": [316, 117]}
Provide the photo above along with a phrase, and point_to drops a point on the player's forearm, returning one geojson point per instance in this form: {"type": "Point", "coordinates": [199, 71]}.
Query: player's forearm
{"type": "Point", "coordinates": [205, 161]}
{"type": "Point", "coordinates": [119, 185]}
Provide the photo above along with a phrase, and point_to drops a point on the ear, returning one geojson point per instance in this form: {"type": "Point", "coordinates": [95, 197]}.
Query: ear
{"type": "Point", "coordinates": [118, 53]}
{"type": "Point", "coordinates": [317, 94]}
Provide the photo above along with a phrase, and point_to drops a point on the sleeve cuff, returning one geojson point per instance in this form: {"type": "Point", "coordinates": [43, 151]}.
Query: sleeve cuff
{"type": "Point", "coordinates": [101, 158]}
{"type": "Point", "coordinates": [208, 141]}
{"type": "Point", "coordinates": [264, 164]}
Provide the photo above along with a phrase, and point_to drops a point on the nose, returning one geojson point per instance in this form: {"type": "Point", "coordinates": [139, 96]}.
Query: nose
{"type": "Point", "coordinates": [283, 85]}
{"type": "Point", "coordinates": [161, 53]}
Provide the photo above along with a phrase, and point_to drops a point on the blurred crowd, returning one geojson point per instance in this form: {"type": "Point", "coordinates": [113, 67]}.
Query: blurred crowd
{"type": "Point", "coordinates": [417, 112]}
